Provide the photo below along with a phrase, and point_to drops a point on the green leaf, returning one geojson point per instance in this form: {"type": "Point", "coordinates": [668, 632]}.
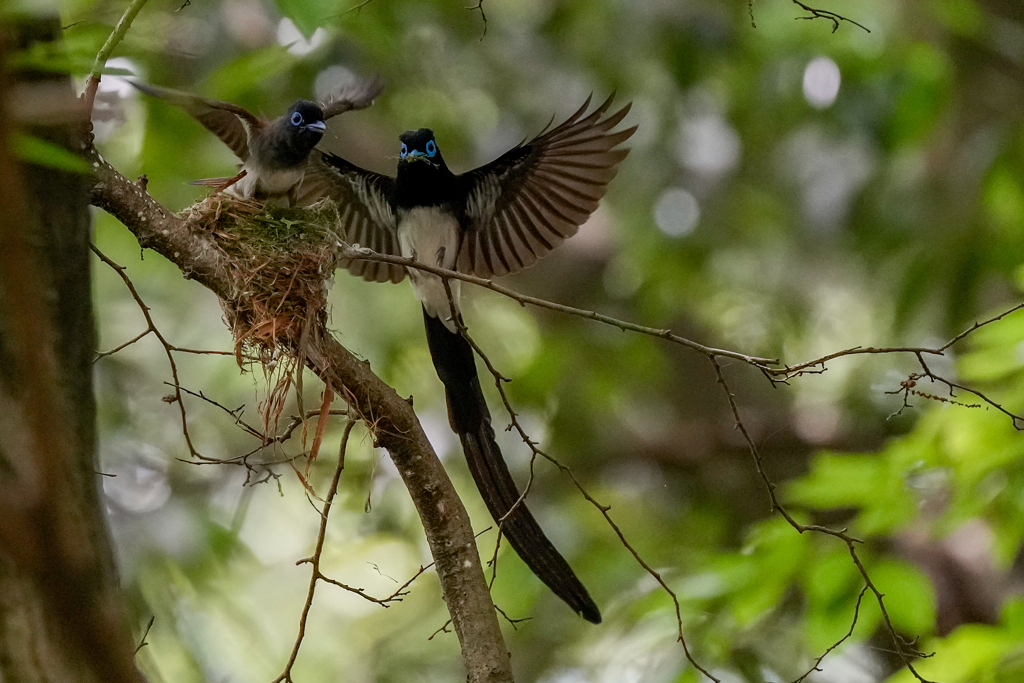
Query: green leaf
{"type": "Point", "coordinates": [44, 153]}
{"type": "Point", "coordinates": [836, 481]}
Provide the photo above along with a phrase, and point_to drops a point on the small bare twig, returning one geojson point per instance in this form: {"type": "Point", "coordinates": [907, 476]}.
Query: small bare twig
{"type": "Point", "coordinates": [479, 7]}
{"type": "Point", "coordinates": [499, 380]}
{"type": "Point", "coordinates": [833, 646]}
{"type": "Point", "coordinates": [168, 347]}
{"type": "Point", "coordinates": [356, 7]}
{"type": "Point", "coordinates": [523, 299]}
{"type": "Point", "coordinates": [905, 650]}
{"type": "Point", "coordinates": [317, 575]}
{"type": "Point", "coordinates": [92, 83]}
{"type": "Point", "coordinates": [909, 387]}
{"type": "Point", "coordinates": [142, 640]}
{"type": "Point", "coordinates": [266, 439]}
{"type": "Point", "coordinates": [976, 325]}
{"type": "Point", "coordinates": [836, 19]}
{"type": "Point", "coordinates": [443, 629]}
{"type": "Point", "coordinates": [776, 375]}
{"type": "Point", "coordinates": [314, 560]}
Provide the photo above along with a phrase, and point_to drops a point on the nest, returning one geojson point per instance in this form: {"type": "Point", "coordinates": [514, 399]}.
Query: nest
{"type": "Point", "coordinates": [281, 260]}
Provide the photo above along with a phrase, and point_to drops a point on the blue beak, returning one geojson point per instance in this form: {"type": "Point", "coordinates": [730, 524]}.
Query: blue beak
{"type": "Point", "coordinates": [416, 153]}
{"type": "Point", "coordinates": [318, 126]}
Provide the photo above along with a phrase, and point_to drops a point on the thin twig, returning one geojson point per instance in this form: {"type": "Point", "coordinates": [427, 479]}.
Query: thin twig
{"type": "Point", "coordinates": [362, 253]}
{"type": "Point", "coordinates": [479, 6]}
{"type": "Point", "coordinates": [265, 438]}
{"type": "Point", "coordinates": [355, 8]}
{"type": "Point", "coordinates": [168, 347]}
{"type": "Point", "coordinates": [776, 375]}
{"type": "Point", "coordinates": [905, 650]}
{"type": "Point", "coordinates": [499, 380]}
{"type": "Point", "coordinates": [92, 83]}
{"type": "Point", "coordinates": [142, 640]}
{"type": "Point", "coordinates": [836, 19]}
{"type": "Point", "coordinates": [976, 325]}
{"type": "Point", "coordinates": [315, 575]}
{"type": "Point", "coordinates": [833, 646]}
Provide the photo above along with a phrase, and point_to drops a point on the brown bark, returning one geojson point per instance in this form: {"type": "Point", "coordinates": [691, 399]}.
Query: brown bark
{"type": "Point", "coordinates": [61, 615]}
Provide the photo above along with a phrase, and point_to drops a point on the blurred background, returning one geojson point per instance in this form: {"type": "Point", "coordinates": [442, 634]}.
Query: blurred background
{"type": "Point", "coordinates": [791, 191]}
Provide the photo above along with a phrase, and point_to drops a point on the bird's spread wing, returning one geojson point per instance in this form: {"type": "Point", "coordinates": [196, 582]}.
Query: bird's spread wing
{"type": "Point", "coordinates": [357, 95]}
{"type": "Point", "coordinates": [367, 218]}
{"type": "Point", "coordinates": [528, 201]}
{"type": "Point", "coordinates": [231, 123]}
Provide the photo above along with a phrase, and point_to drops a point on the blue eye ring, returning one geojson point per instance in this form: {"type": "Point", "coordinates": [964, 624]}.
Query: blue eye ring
{"type": "Point", "coordinates": [405, 150]}
{"type": "Point", "coordinates": [296, 119]}
{"type": "Point", "coordinates": [431, 148]}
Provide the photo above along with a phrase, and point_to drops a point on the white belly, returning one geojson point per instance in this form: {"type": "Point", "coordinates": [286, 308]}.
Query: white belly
{"type": "Point", "coordinates": [431, 237]}
{"type": "Point", "coordinates": [275, 185]}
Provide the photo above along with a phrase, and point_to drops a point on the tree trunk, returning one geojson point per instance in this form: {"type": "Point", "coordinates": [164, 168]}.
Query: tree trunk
{"type": "Point", "coordinates": [61, 615]}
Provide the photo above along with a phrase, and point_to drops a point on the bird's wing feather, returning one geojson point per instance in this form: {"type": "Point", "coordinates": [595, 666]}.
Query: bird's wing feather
{"type": "Point", "coordinates": [364, 206]}
{"type": "Point", "coordinates": [357, 95]}
{"type": "Point", "coordinates": [528, 201]}
{"type": "Point", "coordinates": [231, 123]}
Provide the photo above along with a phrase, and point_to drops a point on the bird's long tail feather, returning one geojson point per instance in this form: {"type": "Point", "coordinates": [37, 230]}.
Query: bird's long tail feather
{"type": "Point", "coordinates": [471, 420]}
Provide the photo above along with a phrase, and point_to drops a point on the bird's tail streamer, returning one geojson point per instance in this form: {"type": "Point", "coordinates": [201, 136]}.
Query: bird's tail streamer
{"type": "Point", "coordinates": [471, 420]}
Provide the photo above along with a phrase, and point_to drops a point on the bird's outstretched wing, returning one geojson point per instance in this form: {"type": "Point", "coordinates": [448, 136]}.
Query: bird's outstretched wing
{"type": "Point", "coordinates": [364, 204]}
{"type": "Point", "coordinates": [358, 95]}
{"type": "Point", "coordinates": [231, 123]}
{"type": "Point", "coordinates": [529, 200]}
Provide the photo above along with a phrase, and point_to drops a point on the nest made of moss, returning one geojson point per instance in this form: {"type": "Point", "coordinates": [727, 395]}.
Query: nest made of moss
{"type": "Point", "coordinates": [281, 260]}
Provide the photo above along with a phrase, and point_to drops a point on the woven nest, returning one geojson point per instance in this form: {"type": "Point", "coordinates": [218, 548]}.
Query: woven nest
{"type": "Point", "coordinates": [281, 260]}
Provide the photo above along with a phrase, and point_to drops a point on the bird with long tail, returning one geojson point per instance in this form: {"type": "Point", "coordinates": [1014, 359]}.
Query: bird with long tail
{"type": "Point", "coordinates": [494, 220]}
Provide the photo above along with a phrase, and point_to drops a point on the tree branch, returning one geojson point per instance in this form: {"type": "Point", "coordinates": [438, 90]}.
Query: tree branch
{"type": "Point", "coordinates": [390, 418]}
{"type": "Point", "coordinates": [351, 252]}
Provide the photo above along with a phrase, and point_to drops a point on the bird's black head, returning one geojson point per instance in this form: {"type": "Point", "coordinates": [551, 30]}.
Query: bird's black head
{"type": "Point", "coordinates": [306, 123]}
{"type": "Point", "coordinates": [423, 178]}
{"type": "Point", "coordinates": [419, 146]}
{"type": "Point", "coordinates": [290, 139]}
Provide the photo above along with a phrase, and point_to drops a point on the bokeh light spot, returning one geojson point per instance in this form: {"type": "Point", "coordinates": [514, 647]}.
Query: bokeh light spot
{"type": "Point", "coordinates": [288, 34]}
{"type": "Point", "coordinates": [821, 82]}
{"type": "Point", "coordinates": [677, 212]}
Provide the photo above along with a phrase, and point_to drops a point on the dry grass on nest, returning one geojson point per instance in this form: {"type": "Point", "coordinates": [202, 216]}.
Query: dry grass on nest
{"type": "Point", "coordinates": [280, 259]}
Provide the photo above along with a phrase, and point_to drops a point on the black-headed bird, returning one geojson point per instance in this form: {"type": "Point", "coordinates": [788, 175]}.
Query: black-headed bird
{"type": "Point", "coordinates": [494, 220]}
{"type": "Point", "coordinates": [274, 154]}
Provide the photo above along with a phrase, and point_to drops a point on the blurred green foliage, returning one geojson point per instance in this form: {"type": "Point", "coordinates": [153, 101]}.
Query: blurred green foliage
{"type": "Point", "coordinates": [753, 212]}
